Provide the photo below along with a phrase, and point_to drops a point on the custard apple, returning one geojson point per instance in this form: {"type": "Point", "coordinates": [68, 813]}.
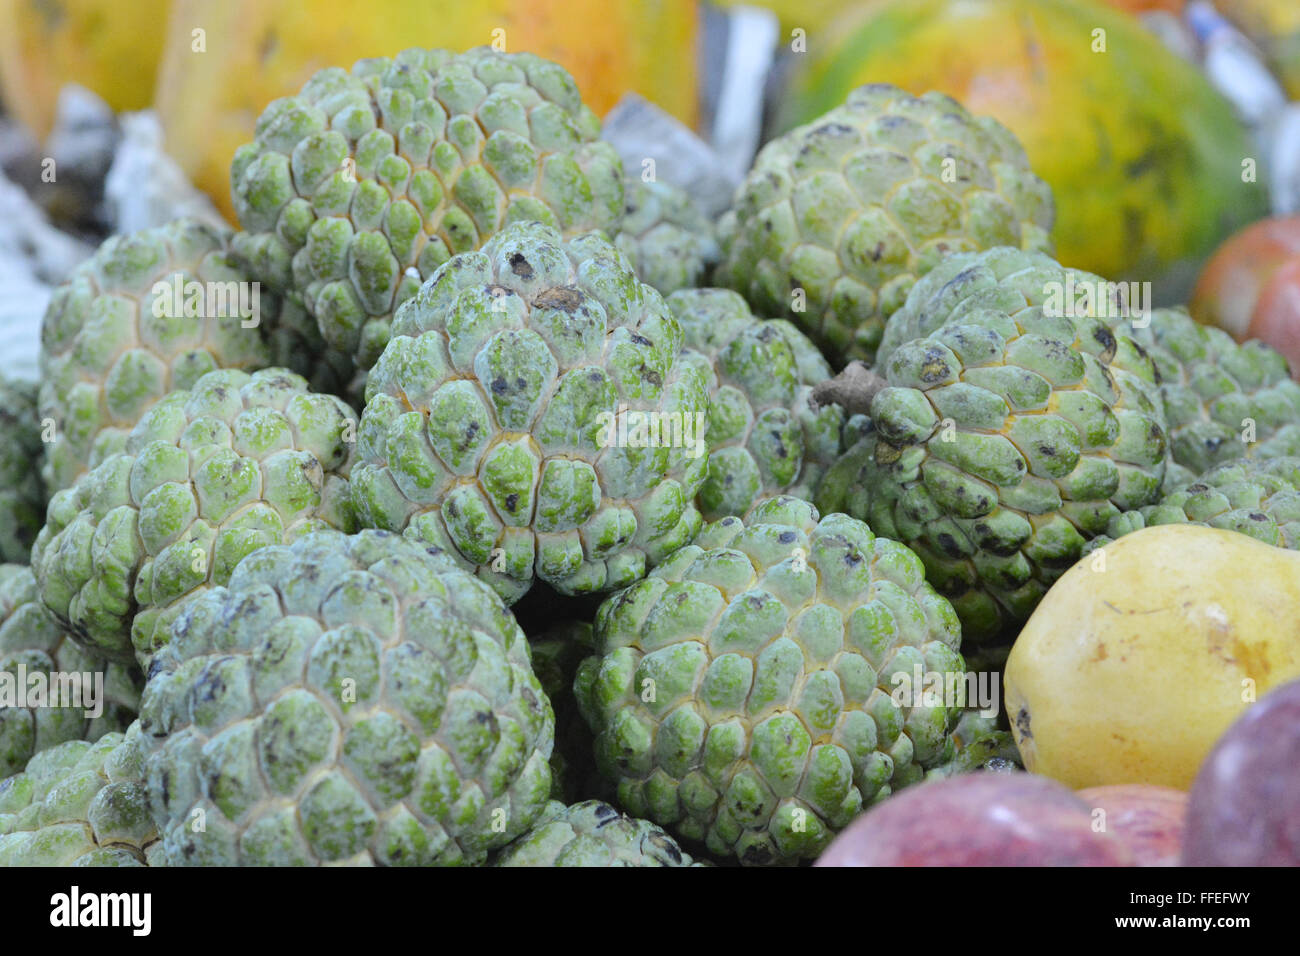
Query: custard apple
{"type": "Point", "coordinates": [361, 186]}
{"type": "Point", "coordinates": [1255, 496]}
{"type": "Point", "coordinates": [22, 492]}
{"type": "Point", "coordinates": [593, 833]}
{"type": "Point", "coordinates": [80, 804]}
{"type": "Point", "coordinates": [531, 415]}
{"type": "Point", "coordinates": [347, 699]}
{"type": "Point", "coordinates": [32, 642]}
{"type": "Point", "coordinates": [746, 693]}
{"type": "Point", "coordinates": [1005, 439]}
{"type": "Point", "coordinates": [239, 461]}
{"type": "Point", "coordinates": [670, 243]}
{"type": "Point", "coordinates": [1222, 400]}
{"type": "Point", "coordinates": [765, 435]}
{"type": "Point", "coordinates": [853, 208]}
{"type": "Point", "coordinates": [148, 313]}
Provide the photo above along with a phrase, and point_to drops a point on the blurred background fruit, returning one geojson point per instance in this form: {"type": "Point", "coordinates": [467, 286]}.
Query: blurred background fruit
{"type": "Point", "coordinates": [258, 50]}
{"type": "Point", "coordinates": [1144, 156]}
{"type": "Point", "coordinates": [108, 46]}
{"type": "Point", "coordinates": [1244, 808]}
{"type": "Point", "coordinates": [1274, 26]}
{"type": "Point", "coordinates": [1250, 288]}
{"type": "Point", "coordinates": [1144, 653]}
{"type": "Point", "coordinates": [1149, 820]}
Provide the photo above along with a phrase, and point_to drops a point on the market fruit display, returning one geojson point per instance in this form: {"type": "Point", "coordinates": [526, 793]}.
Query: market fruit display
{"type": "Point", "coordinates": [1259, 497]}
{"type": "Point", "coordinates": [1249, 286]}
{"type": "Point", "coordinates": [270, 48]}
{"type": "Point", "coordinates": [22, 492]}
{"type": "Point", "coordinates": [79, 804]}
{"type": "Point", "coordinates": [1141, 656]}
{"type": "Point", "coordinates": [532, 416]}
{"type": "Point", "coordinates": [669, 242]}
{"type": "Point", "coordinates": [852, 207]}
{"type": "Point", "coordinates": [359, 187]}
{"type": "Point", "coordinates": [980, 819]}
{"type": "Point", "coordinates": [33, 643]}
{"type": "Point", "coordinates": [765, 435]}
{"type": "Point", "coordinates": [1150, 820]}
{"type": "Point", "coordinates": [1144, 156]}
{"type": "Point", "coordinates": [208, 475]}
{"type": "Point", "coordinates": [743, 694]}
{"type": "Point", "coordinates": [593, 833]}
{"type": "Point", "coordinates": [347, 699]}
{"type": "Point", "coordinates": [1244, 808]}
{"type": "Point", "coordinates": [1008, 432]}
{"type": "Point", "coordinates": [149, 313]}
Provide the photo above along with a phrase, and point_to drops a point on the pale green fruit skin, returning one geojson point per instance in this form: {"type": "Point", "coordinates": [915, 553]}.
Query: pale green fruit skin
{"type": "Point", "coordinates": [22, 490]}
{"type": "Point", "coordinates": [347, 700]}
{"type": "Point", "coordinates": [488, 426]}
{"type": "Point", "coordinates": [358, 188]}
{"type": "Point", "coordinates": [670, 243]}
{"type": "Point", "coordinates": [856, 206]}
{"type": "Point", "coordinates": [31, 638]}
{"type": "Point", "coordinates": [1007, 437]}
{"type": "Point", "coordinates": [1223, 400]}
{"type": "Point", "coordinates": [80, 804]}
{"type": "Point", "coordinates": [208, 475]}
{"type": "Point", "coordinates": [1259, 497]}
{"type": "Point", "coordinates": [741, 694]}
{"type": "Point", "coordinates": [765, 435]}
{"type": "Point", "coordinates": [593, 833]}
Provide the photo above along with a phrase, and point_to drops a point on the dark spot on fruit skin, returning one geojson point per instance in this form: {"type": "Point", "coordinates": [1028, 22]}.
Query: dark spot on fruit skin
{"type": "Point", "coordinates": [520, 266]}
{"type": "Point", "coordinates": [605, 814]}
{"type": "Point", "coordinates": [498, 386]}
{"type": "Point", "coordinates": [565, 298]}
{"type": "Point", "coordinates": [512, 502]}
{"type": "Point", "coordinates": [786, 537]}
{"type": "Point", "coordinates": [1106, 339]}
{"type": "Point", "coordinates": [1022, 724]}
{"type": "Point", "coordinates": [948, 545]}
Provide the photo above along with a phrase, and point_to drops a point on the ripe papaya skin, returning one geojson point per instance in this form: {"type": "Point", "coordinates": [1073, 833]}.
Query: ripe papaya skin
{"type": "Point", "coordinates": [1145, 158]}
{"type": "Point", "coordinates": [259, 50]}
{"type": "Point", "coordinates": [107, 46]}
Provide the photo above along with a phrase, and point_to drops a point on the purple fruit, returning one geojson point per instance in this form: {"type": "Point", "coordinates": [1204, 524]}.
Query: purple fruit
{"type": "Point", "coordinates": [1244, 808]}
{"type": "Point", "coordinates": [978, 819]}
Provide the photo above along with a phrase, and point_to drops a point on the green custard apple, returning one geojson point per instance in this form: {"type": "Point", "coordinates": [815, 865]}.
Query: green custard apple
{"type": "Point", "coordinates": [345, 700]}
{"type": "Point", "coordinates": [32, 642]}
{"type": "Point", "coordinates": [22, 490]}
{"type": "Point", "coordinates": [532, 415]}
{"type": "Point", "coordinates": [754, 692]}
{"type": "Point", "coordinates": [593, 833]}
{"type": "Point", "coordinates": [670, 243]}
{"type": "Point", "coordinates": [837, 219]}
{"type": "Point", "coordinates": [359, 187]}
{"type": "Point", "coordinates": [1006, 438]}
{"type": "Point", "coordinates": [80, 804]}
{"type": "Point", "coordinates": [765, 435]}
{"type": "Point", "coordinates": [237, 462]}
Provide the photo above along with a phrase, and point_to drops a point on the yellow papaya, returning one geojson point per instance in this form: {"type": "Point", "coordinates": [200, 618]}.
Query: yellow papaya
{"type": "Point", "coordinates": [224, 62]}
{"type": "Point", "coordinates": [1144, 156]}
{"type": "Point", "coordinates": [107, 46]}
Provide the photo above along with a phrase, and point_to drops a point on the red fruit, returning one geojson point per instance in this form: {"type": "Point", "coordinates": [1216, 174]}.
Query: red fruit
{"type": "Point", "coordinates": [1244, 808]}
{"type": "Point", "coordinates": [978, 819]}
{"type": "Point", "coordinates": [1149, 819]}
{"type": "Point", "coordinates": [1250, 288]}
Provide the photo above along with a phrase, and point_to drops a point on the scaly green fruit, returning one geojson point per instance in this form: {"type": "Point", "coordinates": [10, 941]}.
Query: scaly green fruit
{"type": "Point", "coordinates": [532, 415]}
{"type": "Point", "coordinates": [746, 694]}
{"type": "Point", "coordinates": [22, 491]}
{"type": "Point", "coordinates": [669, 242]}
{"type": "Point", "coordinates": [358, 188]}
{"type": "Point", "coordinates": [346, 700]}
{"type": "Point", "coordinates": [593, 833]}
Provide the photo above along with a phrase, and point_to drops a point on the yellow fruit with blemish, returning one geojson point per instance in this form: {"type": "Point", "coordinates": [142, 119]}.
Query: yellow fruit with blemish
{"type": "Point", "coordinates": [1142, 654]}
